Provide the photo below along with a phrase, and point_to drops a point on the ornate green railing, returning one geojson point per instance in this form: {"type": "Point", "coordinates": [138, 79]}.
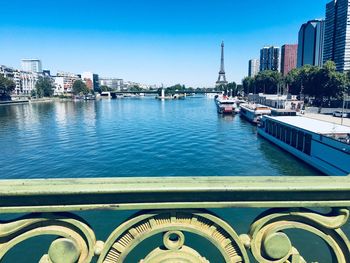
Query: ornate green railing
{"type": "Point", "coordinates": [175, 207]}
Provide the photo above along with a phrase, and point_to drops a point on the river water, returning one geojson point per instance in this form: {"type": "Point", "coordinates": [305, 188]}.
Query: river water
{"type": "Point", "coordinates": [135, 137]}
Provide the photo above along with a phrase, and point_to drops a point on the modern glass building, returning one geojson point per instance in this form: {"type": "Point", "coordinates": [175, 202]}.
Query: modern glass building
{"type": "Point", "coordinates": [337, 34]}
{"type": "Point", "coordinates": [270, 58]}
{"type": "Point", "coordinates": [288, 58]}
{"type": "Point", "coordinates": [310, 43]}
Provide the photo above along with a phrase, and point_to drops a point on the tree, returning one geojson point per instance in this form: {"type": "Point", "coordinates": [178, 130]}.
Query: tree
{"type": "Point", "coordinates": [79, 87]}
{"type": "Point", "coordinates": [248, 83]}
{"type": "Point", "coordinates": [323, 83]}
{"type": "Point", "coordinates": [239, 90]}
{"type": "Point", "coordinates": [44, 87]}
{"type": "Point", "coordinates": [267, 82]}
{"type": "Point", "coordinates": [6, 87]}
{"type": "Point", "coordinates": [33, 93]}
{"type": "Point", "coordinates": [293, 82]}
{"type": "Point", "coordinates": [136, 88]}
{"type": "Point", "coordinates": [174, 89]}
{"type": "Point", "coordinates": [232, 86]}
{"type": "Point", "coordinates": [105, 88]}
{"type": "Point", "coordinates": [347, 90]}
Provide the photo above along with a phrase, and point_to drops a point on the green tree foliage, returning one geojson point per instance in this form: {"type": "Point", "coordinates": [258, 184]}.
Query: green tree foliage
{"type": "Point", "coordinates": [175, 89]}
{"type": "Point", "coordinates": [44, 87]}
{"type": "Point", "coordinates": [6, 87]}
{"type": "Point", "coordinates": [105, 88]}
{"type": "Point", "coordinates": [248, 85]}
{"type": "Point", "coordinates": [136, 88]}
{"type": "Point", "coordinates": [267, 82]}
{"type": "Point", "coordinates": [239, 89]}
{"type": "Point", "coordinates": [232, 86]}
{"type": "Point", "coordinates": [347, 89]}
{"type": "Point", "coordinates": [79, 87]}
{"type": "Point", "coordinates": [293, 81]}
{"type": "Point", "coordinates": [321, 83]}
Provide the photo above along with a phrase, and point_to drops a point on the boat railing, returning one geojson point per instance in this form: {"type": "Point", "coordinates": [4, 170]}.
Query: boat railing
{"type": "Point", "coordinates": [175, 208]}
{"type": "Point", "coordinates": [343, 139]}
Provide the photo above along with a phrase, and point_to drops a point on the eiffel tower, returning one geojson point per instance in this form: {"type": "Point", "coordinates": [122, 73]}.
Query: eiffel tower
{"type": "Point", "coordinates": [222, 75]}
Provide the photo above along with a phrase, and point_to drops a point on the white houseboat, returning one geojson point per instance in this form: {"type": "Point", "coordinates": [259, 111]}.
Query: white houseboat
{"type": "Point", "coordinates": [323, 145]}
{"type": "Point", "coordinates": [253, 112]}
{"type": "Point", "coordinates": [225, 105]}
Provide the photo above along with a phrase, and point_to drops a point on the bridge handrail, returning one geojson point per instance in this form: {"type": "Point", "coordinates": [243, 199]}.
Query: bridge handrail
{"type": "Point", "coordinates": [174, 206]}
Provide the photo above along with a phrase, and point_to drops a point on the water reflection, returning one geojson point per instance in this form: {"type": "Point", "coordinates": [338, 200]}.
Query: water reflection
{"type": "Point", "coordinates": [134, 138]}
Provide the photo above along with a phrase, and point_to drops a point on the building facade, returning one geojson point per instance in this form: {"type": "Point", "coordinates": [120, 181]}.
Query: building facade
{"type": "Point", "coordinates": [288, 58]}
{"type": "Point", "coordinates": [32, 65]}
{"type": "Point", "coordinates": [253, 67]}
{"type": "Point", "coordinates": [311, 43]}
{"type": "Point", "coordinates": [113, 83]}
{"type": "Point", "coordinates": [337, 34]}
{"type": "Point", "coordinates": [270, 58]}
{"type": "Point", "coordinates": [64, 82]}
{"type": "Point", "coordinates": [91, 80]}
{"type": "Point", "coordinates": [25, 81]}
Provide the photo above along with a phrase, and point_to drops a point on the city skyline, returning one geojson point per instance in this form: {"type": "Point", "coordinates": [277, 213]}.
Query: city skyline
{"type": "Point", "coordinates": [150, 45]}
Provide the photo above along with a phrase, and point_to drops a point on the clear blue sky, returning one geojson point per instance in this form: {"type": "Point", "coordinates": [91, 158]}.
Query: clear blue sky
{"type": "Point", "coordinates": [149, 41]}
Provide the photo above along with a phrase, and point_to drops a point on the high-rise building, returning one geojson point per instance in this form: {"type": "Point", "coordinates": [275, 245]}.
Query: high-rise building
{"type": "Point", "coordinates": [32, 65]}
{"type": "Point", "coordinates": [253, 67]}
{"type": "Point", "coordinates": [337, 34]}
{"type": "Point", "coordinates": [310, 43]}
{"type": "Point", "coordinates": [270, 58]}
{"type": "Point", "coordinates": [288, 58]}
{"type": "Point", "coordinates": [91, 80]}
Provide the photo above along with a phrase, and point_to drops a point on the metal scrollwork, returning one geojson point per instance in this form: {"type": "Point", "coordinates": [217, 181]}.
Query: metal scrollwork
{"type": "Point", "coordinates": [173, 224]}
{"type": "Point", "coordinates": [269, 243]}
{"type": "Point", "coordinates": [76, 242]}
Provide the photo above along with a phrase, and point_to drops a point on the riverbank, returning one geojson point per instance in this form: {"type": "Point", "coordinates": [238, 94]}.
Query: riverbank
{"type": "Point", "coordinates": [328, 118]}
{"type": "Point", "coordinates": [11, 102]}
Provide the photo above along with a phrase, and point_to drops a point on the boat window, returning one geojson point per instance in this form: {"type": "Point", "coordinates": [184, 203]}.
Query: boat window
{"type": "Point", "coordinates": [300, 140]}
{"type": "Point", "coordinates": [271, 128]}
{"type": "Point", "coordinates": [294, 138]}
{"type": "Point", "coordinates": [307, 144]}
{"type": "Point", "coordinates": [288, 133]}
{"type": "Point", "coordinates": [283, 133]}
{"type": "Point", "coordinates": [278, 132]}
{"type": "Point", "coordinates": [274, 130]}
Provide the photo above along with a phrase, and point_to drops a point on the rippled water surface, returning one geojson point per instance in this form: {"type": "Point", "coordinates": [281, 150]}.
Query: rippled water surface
{"type": "Point", "coordinates": [134, 137]}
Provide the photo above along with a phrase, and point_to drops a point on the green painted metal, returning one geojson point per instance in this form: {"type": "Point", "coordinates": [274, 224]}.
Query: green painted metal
{"type": "Point", "coordinates": [172, 193]}
{"type": "Point", "coordinates": [170, 207]}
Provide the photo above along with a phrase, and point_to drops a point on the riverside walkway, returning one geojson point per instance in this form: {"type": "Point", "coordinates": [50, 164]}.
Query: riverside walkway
{"type": "Point", "coordinates": [328, 118]}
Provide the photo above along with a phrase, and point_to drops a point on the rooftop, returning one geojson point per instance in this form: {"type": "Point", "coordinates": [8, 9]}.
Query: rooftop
{"type": "Point", "coordinates": [316, 126]}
